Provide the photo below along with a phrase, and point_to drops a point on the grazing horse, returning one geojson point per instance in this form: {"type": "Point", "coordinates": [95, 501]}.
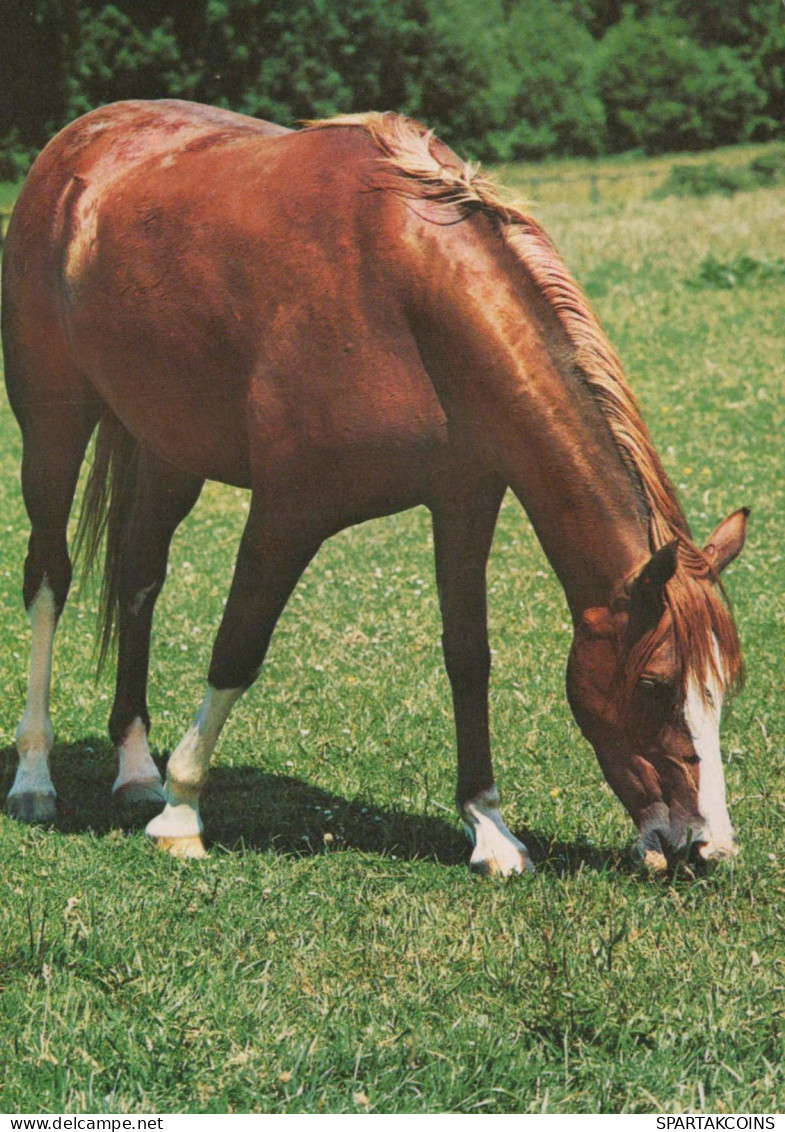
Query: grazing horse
{"type": "Point", "coordinates": [349, 321]}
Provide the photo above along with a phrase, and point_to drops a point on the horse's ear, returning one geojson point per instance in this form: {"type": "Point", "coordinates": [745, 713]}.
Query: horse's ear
{"type": "Point", "coordinates": [648, 589]}
{"type": "Point", "coordinates": [727, 542]}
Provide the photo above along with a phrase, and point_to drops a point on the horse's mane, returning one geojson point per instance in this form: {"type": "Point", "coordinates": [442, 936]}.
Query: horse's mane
{"type": "Point", "coordinates": [417, 166]}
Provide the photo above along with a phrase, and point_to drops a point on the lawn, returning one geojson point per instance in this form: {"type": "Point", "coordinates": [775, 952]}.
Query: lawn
{"type": "Point", "coordinates": [334, 954]}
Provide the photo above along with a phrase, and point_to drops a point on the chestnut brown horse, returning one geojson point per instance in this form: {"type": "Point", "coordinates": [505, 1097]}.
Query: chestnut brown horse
{"type": "Point", "coordinates": [349, 321]}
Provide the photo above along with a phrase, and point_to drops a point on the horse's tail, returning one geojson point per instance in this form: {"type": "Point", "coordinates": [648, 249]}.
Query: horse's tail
{"type": "Point", "coordinates": [105, 516]}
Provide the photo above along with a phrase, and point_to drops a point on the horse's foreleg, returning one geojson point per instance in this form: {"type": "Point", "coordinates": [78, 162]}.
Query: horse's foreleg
{"type": "Point", "coordinates": [54, 447]}
{"type": "Point", "coordinates": [463, 531]}
{"type": "Point", "coordinates": [268, 566]}
{"type": "Point", "coordinates": [163, 497]}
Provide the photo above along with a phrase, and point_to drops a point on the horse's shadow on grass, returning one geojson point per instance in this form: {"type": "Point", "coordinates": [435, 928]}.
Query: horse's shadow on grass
{"type": "Point", "coordinates": [247, 808]}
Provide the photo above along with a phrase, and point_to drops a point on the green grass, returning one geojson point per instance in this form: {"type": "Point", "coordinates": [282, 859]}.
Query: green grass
{"type": "Point", "coordinates": [334, 953]}
{"type": "Point", "coordinates": [625, 177]}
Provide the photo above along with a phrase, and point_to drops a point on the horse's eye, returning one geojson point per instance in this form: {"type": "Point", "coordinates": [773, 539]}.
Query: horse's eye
{"type": "Point", "coordinates": [653, 684]}
{"type": "Point", "coordinates": [657, 694]}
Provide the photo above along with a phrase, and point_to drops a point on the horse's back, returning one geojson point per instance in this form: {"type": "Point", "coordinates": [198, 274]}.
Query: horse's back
{"type": "Point", "coordinates": [118, 136]}
{"type": "Point", "coordinates": [204, 270]}
{"type": "Point", "coordinates": [98, 153]}
{"type": "Point", "coordinates": [84, 184]}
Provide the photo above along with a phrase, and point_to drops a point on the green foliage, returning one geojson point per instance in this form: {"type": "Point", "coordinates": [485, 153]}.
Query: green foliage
{"type": "Point", "coordinates": [500, 80]}
{"type": "Point", "coordinates": [663, 91]}
{"type": "Point", "coordinates": [15, 157]}
{"type": "Point", "coordinates": [547, 78]}
{"type": "Point", "coordinates": [115, 58]}
{"type": "Point", "coordinates": [742, 270]}
{"type": "Point", "coordinates": [462, 81]}
{"type": "Point", "coordinates": [701, 180]}
{"type": "Point", "coordinates": [314, 59]}
{"type": "Point", "coordinates": [755, 31]}
{"type": "Point", "coordinates": [769, 168]}
{"type": "Point", "coordinates": [711, 177]}
{"type": "Point", "coordinates": [37, 41]}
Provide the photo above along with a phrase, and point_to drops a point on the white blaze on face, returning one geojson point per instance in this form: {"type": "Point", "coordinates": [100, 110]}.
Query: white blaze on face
{"type": "Point", "coordinates": [702, 714]}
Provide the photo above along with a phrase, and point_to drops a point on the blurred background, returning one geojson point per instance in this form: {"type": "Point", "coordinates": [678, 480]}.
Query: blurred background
{"type": "Point", "coordinates": [502, 80]}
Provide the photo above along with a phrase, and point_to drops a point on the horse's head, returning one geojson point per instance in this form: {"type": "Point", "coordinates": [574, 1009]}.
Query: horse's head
{"type": "Point", "coordinates": [646, 679]}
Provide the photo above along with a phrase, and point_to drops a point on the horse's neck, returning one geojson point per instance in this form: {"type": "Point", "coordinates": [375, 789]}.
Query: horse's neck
{"type": "Point", "coordinates": [506, 370]}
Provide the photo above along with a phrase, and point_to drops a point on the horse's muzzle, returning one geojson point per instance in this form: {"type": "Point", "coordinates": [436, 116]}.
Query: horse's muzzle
{"type": "Point", "coordinates": [665, 841]}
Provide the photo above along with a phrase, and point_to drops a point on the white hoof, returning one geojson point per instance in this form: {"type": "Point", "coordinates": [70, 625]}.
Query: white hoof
{"type": "Point", "coordinates": [178, 831]}
{"type": "Point", "coordinates": [176, 820]}
{"type": "Point", "coordinates": [503, 865]}
{"type": "Point", "coordinates": [496, 851]}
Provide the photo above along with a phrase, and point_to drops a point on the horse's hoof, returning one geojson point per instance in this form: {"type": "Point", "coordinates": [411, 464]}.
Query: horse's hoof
{"type": "Point", "coordinates": [35, 806]}
{"type": "Point", "coordinates": [142, 792]}
{"type": "Point", "coordinates": [511, 864]}
{"type": "Point", "coordinates": [192, 847]}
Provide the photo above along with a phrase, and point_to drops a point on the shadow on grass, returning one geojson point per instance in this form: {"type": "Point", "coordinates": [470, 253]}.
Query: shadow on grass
{"type": "Point", "coordinates": [245, 807]}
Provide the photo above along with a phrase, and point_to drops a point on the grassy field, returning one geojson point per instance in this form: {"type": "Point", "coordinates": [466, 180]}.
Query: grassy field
{"type": "Point", "coordinates": [334, 953]}
{"type": "Point", "coordinates": [620, 179]}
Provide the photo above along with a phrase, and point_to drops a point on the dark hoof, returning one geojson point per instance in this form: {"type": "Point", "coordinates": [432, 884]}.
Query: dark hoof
{"type": "Point", "coordinates": [146, 793]}
{"type": "Point", "coordinates": [33, 807]}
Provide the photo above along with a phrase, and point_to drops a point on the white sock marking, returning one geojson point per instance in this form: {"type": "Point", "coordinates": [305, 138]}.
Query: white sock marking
{"type": "Point", "coordinates": [703, 720]}
{"type": "Point", "coordinates": [188, 766]}
{"type": "Point", "coordinates": [136, 762]}
{"type": "Point", "coordinates": [34, 736]}
{"type": "Point", "coordinates": [495, 848]}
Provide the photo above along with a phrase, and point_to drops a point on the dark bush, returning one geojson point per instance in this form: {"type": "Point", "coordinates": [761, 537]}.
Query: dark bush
{"type": "Point", "coordinates": [742, 270]}
{"type": "Point", "coordinates": [702, 180]}
{"type": "Point", "coordinates": [549, 89]}
{"type": "Point", "coordinates": [663, 91]}
{"type": "Point", "coordinates": [500, 80]}
{"type": "Point", "coordinates": [769, 168]}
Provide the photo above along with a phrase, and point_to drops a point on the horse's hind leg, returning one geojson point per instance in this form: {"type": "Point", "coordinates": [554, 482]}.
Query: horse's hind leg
{"type": "Point", "coordinates": [162, 499]}
{"type": "Point", "coordinates": [271, 558]}
{"type": "Point", "coordinates": [463, 524]}
{"type": "Point", "coordinates": [55, 438]}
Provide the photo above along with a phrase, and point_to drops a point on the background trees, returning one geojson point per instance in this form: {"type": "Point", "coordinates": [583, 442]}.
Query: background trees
{"type": "Point", "coordinates": [503, 79]}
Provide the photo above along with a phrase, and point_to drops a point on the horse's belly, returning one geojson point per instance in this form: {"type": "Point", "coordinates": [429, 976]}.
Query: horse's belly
{"type": "Point", "coordinates": [167, 366]}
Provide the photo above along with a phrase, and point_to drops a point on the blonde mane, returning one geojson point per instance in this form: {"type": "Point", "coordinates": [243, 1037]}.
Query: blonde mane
{"type": "Point", "coordinates": [417, 166]}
